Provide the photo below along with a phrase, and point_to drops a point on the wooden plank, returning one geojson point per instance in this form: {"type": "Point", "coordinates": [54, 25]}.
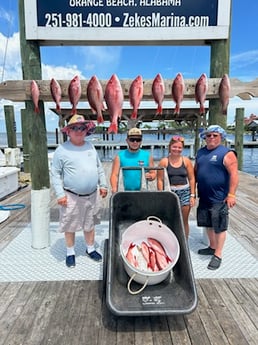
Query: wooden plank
{"type": "Point", "coordinates": [19, 90]}
{"type": "Point", "coordinates": [90, 316]}
{"type": "Point", "coordinates": [37, 334]}
{"type": "Point", "coordinates": [246, 297]}
{"type": "Point", "coordinates": [143, 333]}
{"type": "Point", "coordinates": [8, 291]}
{"type": "Point", "coordinates": [23, 325]}
{"type": "Point", "coordinates": [229, 328]}
{"type": "Point", "coordinates": [238, 314]}
{"type": "Point", "coordinates": [160, 330]}
{"type": "Point", "coordinates": [125, 331]}
{"type": "Point", "coordinates": [210, 322]}
{"type": "Point", "coordinates": [14, 310]}
{"type": "Point", "coordinates": [178, 330]}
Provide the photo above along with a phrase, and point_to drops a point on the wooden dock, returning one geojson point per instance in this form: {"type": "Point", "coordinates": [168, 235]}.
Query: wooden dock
{"type": "Point", "coordinates": [75, 312]}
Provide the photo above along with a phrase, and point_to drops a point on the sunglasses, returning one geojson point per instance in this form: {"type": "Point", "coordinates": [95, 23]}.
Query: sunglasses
{"type": "Point", "coordinates": [78, 128]}
{"type": "Point", "coordinates": [177, 138]}
{"type": "Point", "coordinates": [212, 135]}
{"type": "Point", "coordinates": [138, 140]}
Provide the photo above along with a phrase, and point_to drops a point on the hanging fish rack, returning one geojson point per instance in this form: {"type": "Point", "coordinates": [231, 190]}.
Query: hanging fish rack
{"type": "Point", "coordinates": [19, 90]}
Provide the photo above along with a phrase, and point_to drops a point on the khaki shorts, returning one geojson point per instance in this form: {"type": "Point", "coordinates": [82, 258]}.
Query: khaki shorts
{"type": "Point", "coordinates": [80, 214]}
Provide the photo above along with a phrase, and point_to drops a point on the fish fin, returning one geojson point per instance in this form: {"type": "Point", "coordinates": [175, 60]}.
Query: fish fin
{"type": "Point", "coordinates": [159, 110]}
{"type": "Point", "coordinates": [113, 128]}
{"type": "Point", "coordinates": [100, 118]}
{"type": "Point", "coordinates": [202, 109]}
{"type": "Point", "coordinates": [134, 115]}
{"type": "Point", "coordinates": [177, 110]}
{"type": "Point", "coordinates": [74, 110]}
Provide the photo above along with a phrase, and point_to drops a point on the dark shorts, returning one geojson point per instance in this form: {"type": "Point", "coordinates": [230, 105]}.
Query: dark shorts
{"type": "Point", "coordinates": [215, 216]}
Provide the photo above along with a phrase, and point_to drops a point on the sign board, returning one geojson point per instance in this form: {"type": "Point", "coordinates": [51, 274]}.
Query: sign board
{"type": "Point", "coordinates": [126, 22]}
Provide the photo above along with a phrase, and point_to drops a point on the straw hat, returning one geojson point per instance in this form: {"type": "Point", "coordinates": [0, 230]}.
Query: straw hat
{"type": "Point", "coordinates": [77, 119]}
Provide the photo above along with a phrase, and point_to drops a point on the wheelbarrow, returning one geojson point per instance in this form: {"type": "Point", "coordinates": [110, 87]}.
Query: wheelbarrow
{"type": "Point", "coordinates": [174, 295]}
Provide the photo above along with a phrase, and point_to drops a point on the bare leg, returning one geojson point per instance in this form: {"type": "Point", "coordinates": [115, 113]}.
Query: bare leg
{"type": "Point", "coordinates": [89, 237]}
{"type": "Point", "coordinates": [217, 241]}
{"type": "Point", "coordinates": [69, 239]}
{"type": "Point", "coordinates": [185, 214]}
{"type": "Point", "coordinates": [220, 240]}
{"type": "Point", "coordinates": [211, 237]}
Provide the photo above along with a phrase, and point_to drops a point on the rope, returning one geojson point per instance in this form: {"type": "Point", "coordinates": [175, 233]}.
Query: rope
{"type": "Point", "coordinates": [11, 207]}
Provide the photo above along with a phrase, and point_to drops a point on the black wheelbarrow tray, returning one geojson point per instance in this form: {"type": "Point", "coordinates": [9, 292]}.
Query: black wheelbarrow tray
{"type": "Point", "coordinates": [177, 293]}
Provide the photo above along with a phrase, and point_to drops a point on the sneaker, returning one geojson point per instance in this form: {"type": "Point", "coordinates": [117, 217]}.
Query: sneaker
{"type": "Point", "coordinates": [94, 255]}
{"type": "Point", "coordinates": [70, 261]}
{"type": "Point", "coordinates": [214, 263]}
{"type": "Point", "coordinates": [206, 251]}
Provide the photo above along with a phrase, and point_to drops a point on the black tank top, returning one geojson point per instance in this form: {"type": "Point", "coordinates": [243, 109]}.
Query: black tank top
{"type": "Point", "coordinates": [177, 176]}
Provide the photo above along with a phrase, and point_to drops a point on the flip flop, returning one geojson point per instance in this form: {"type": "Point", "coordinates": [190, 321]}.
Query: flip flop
{"type": "Point", "coordinates": [214, 263]}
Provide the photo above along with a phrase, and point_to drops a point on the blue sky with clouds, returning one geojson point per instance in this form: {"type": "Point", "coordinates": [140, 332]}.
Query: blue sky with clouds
{"type": "Point", "coordinates": [128, 61]}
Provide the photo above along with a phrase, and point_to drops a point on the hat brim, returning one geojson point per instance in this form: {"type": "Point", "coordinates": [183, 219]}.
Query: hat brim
{"type": "Point", "coordinates": [90, 127]}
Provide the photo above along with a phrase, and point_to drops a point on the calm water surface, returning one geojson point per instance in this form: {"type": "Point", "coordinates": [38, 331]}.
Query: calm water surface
{"type": "Point", "coordinates": [250, 155]}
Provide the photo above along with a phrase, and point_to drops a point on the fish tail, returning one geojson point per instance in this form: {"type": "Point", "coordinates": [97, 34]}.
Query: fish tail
{"type": "Point", "coordinates": [74, 110]}
{"type": "Point", "coordinates": [113, 128]}
{"type": "Point", "coordinates": [58, 108]}
{"type": "Point", "coordinates": [202, 110]}
{"type": "Point", "coordinates": [177, 110]}
{"type": "Point", "coordinates": [159, 110]}
{"type": "Point", "coordinates": [134, 115]}
{"type": "Point", "coordinates": [100, 118]}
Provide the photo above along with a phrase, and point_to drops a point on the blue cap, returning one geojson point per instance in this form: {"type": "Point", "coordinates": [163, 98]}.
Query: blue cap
{"type": "Point", "coordinates": [214, 129]}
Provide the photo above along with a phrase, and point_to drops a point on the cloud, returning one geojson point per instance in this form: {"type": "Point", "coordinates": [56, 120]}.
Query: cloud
{"type": "Point", "coordinates": [10, 57]}
{"type": "Point", "coordinates": [244, 62]}
{"type": "Point", "coordinates": [100, 60]}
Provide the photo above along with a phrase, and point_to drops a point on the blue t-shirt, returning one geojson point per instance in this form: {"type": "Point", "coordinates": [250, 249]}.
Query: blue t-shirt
{"type": "Point", "coordinates": [212, 176]}
{"type": "Point", "coordinates": [132, 178]}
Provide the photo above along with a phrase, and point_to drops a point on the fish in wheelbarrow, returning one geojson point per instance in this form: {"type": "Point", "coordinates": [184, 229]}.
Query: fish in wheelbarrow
{"type": "Point", "coordinates": [74, 92]}
{"type": "Point", "coordinates": [178, 89]}
{"type": "Point", "coordinates": [201, 88]}
{"type": "Point", "coordinates": [96, 98]}
{"type": "Point", "coordinates": [224, 93]}
{"type": "Point", "coordinates": [158, 92]}
{"type": "Point", "coordinates": [114, 99]}
{"type": "Point", "coordinates": [135, 95]}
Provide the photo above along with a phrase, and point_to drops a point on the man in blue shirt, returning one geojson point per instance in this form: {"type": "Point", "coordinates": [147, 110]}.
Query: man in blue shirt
{"type": "Point", "coordinates": [135, 157]}
{"type": "Point", "coordinates": [216, 171]}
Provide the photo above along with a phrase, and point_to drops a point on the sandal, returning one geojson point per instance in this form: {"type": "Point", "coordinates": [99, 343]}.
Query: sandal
{"type": "Point", "coordinates": [214, 263]}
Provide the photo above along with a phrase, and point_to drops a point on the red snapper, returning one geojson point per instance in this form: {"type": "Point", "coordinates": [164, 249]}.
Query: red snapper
{"type": "Point", "coordinates": [201, 88]}
{"type": "Point", "coordinates": [135, 95]}
{"type": "Point", "coordinates": [74, 92]}
{"type": "Point", "coordinates": [158, 91]}
{"type": "Point", "coordinates": [96, 98]}
{"type": "Point", "coordinates": [178, 89]}
{"type": "Point", "coordinates": [114, 99]}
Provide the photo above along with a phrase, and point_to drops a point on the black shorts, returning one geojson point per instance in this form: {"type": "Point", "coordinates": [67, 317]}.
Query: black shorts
{"type": "Point", "coordinates": [215, 216]}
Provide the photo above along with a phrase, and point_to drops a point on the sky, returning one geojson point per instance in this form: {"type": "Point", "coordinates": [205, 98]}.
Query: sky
{"type": "Point", "coordinates": [129, 61]}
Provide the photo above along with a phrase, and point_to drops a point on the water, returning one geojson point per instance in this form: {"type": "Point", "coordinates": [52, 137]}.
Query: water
{"type": "Point", "coordinates": [250, 155]}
